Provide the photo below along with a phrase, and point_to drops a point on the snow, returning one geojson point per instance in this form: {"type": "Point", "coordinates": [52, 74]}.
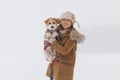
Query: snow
{"type": "Point", "coordinates": [21, 38]}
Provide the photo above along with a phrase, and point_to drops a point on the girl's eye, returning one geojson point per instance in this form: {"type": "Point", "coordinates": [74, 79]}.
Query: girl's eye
{"type": "Point", "coordinates": [67, 19]}
{"type": "Point", "coordinates": [49, 22]}
{"type": "Point", "coordinates": [63, 19]}
{"type": "Point", "coordinates": [53, 22]}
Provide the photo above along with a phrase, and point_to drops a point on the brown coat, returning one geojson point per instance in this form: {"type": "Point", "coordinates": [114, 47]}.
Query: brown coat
{"type": "Point", "coordinates": [65, 54]}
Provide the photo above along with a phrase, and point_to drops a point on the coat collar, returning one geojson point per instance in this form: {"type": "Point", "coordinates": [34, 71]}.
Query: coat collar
{"type": "Point", "coordinates": [76, 36]}
{"type": "Point", "coordinates": [73, 34]}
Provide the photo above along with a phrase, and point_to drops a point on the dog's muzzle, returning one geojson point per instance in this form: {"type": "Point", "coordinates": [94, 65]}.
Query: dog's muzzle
{"type": "Point", "coordinates": [52, 26]}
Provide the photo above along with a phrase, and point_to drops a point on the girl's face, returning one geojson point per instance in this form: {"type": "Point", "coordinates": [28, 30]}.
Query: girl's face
{"type": "Point", "coordinates": [66, 23]}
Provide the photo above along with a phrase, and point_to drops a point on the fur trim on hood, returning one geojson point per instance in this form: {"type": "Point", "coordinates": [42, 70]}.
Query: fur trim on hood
{"type": "Point", "coordinates": [76, 36]}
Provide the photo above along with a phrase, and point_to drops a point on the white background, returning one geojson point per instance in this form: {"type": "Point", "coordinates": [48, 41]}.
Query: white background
{"type": "Point", "coordinates": [21, 38]}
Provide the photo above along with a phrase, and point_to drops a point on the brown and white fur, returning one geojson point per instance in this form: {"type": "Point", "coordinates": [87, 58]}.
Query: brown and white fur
{"type": "Point", "coordinates": [50, 34]}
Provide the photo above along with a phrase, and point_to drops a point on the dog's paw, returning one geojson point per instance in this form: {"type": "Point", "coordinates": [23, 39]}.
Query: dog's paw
{"type": "Point", "coordinates": [52, 39]}
{"type": "Point", "coordinates": [54, 34]}
{"type": "Point", "coordinates": [48, 35]}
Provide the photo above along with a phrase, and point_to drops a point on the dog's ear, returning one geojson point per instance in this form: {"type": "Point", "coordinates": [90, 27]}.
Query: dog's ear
{"type": "Point", "coordinates": [58, 20]}
{"type": "Point", "coordinates": [46, 21]}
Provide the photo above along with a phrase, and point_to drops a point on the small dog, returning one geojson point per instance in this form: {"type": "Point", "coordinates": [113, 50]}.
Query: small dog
{"type": "Point", "coordinates": [50, 36]}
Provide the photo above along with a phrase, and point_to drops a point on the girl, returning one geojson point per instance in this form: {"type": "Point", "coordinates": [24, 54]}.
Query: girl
{"type": "Point", "coordinates": [65, 48]}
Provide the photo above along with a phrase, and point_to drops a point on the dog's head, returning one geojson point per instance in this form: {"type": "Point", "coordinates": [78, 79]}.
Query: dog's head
{"type": "Point", "coordinates": [52, 23]}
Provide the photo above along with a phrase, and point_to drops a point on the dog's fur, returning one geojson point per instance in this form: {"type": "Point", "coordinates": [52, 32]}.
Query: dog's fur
{"type": "Point", "coordinates": [50, 36]}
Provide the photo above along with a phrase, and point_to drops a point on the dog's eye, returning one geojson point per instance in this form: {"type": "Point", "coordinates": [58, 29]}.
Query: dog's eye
{"type": "Point", "coordinates": [53, 22]}
{"type": "Point", "coordinates": [49, 22]}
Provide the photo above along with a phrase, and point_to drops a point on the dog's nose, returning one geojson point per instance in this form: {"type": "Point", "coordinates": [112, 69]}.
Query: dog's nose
{"type": "Point", "coordinates": [52, 26]}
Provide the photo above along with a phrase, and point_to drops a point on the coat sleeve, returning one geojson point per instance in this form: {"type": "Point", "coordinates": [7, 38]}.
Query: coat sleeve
{"type": "Point", "coordinates": [64, 49]}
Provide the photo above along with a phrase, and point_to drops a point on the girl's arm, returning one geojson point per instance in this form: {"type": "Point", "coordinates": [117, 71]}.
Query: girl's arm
{"type": "Point", "coordinates": [68, 46]}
